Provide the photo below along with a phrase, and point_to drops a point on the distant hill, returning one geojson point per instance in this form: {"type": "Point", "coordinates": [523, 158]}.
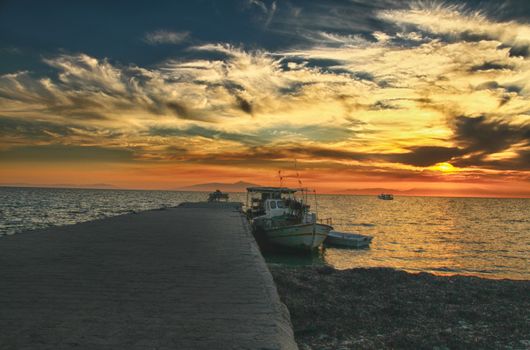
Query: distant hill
{"type": "Point", "coordinates": [239, 186]}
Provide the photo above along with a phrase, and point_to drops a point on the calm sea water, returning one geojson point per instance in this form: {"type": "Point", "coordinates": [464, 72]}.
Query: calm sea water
{"type": "Point", "coordinates": [476, 236]}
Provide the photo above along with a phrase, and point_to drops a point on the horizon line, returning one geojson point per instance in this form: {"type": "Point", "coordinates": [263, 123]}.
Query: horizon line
{"type": "Point", "coordinates": [338, 193]}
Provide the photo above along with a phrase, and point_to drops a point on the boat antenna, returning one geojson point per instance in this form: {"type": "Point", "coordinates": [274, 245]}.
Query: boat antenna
{"type": "Point", "coordinates": [305, 200]}
{"type": "Point", "coordinates": [297, 173]}
{"type": "Point", "coordinates": [281, 177]}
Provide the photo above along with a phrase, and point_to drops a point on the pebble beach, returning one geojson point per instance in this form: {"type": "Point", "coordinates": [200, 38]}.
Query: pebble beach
{"type": "Point", "coordinates": [383, 308]}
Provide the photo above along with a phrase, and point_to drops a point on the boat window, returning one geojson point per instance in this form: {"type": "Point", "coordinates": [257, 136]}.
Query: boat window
{"type": "Point", "coordinates": [280, 204]}
{"type": "Point", "coordinates": [273, 205]}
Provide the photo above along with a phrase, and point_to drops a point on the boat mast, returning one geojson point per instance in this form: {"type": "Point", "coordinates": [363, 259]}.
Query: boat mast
{"type": "Point", "coordinates": [316, 205]}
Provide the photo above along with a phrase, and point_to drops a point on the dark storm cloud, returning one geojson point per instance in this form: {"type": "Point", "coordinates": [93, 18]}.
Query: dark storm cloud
{"type": "Point", "coordinates": [492, 85]}
{"type": "Point", "coordinates": [364, 76]}
{"type": "Point", "coordinates": [520, 51]}
{"type": "Point", "coordinates": [517, 50]}
{"type": "Point", "coordinates": [244, 105]}
{"type": "Point", "coordinates": [424, 156]}
{"type": "Point", "coordinates": [520, 162]}
{"type": "Point", "coordinates": [488, 85]}
{"type": "Point", "coordinates": [477, 134]}
{"type": "Point", "coordinates": [487, 66]}
{"type": "Point", "coordinates": [480, 137]}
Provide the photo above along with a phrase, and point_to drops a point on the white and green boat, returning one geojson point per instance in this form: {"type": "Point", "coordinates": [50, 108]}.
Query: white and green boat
{"type": "Point", "coordinates": [280, 218]}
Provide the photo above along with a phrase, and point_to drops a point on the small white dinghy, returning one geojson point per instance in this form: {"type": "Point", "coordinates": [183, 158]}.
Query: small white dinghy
{"type": "Point", "coordinates": [346, 239]}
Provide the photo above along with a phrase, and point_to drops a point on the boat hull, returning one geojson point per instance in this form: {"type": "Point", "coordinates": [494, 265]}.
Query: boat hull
{"type": "Point", "coordinates": [301, 236]}
{"type": "Point", "coordinates": [348, 240]}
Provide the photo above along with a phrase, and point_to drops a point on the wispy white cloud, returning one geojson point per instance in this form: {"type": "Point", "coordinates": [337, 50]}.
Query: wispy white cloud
{"type": "Point", "coordinates": [259, 4]}
{"type": "Point", "coordinates": [458, 21]}
{"type": "Point", "coordinates": [271, 13]}
{"type": "Point", "coordinates": [268, 11]}
{"type": "Point", "coordinates": [166, 37]}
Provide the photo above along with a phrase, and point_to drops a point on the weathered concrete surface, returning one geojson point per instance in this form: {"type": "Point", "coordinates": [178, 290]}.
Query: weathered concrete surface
{"type": "Point", "coordinates": [181, 278]}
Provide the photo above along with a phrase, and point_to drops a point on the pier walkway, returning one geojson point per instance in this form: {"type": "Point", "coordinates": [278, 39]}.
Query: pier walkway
{"type": "Point", "coordinates": [190, 277]}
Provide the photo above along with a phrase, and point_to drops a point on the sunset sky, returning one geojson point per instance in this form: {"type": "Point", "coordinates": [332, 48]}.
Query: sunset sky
{"type": "Point", "coordinates": [427, 96]}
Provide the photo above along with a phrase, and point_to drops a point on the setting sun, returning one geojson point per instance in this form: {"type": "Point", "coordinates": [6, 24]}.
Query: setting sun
{"type": "Point", "coordinates": [444, 167]}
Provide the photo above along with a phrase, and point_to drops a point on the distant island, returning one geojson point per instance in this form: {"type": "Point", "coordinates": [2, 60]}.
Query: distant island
{"type": "Point", "coordinates": [239, 186]}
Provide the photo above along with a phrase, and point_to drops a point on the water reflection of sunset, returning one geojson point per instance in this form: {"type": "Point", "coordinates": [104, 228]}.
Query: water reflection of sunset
{"type": "Point", "coordinates": [444, 236]}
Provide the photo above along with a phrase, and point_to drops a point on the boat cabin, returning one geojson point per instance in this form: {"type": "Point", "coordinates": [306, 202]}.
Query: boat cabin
{"type": "Point", "coordinates": [271, 201]}
{"type": "Point", "coordinates": [275, 207]}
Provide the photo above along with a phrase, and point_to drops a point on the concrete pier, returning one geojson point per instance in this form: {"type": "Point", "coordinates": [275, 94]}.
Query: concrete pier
{"type": "Point", "coordinates": [190, 277]}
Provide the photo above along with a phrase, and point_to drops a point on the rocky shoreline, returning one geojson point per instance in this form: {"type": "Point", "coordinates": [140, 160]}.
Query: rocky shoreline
{"type": "Point", "coordinates": [382, 308]}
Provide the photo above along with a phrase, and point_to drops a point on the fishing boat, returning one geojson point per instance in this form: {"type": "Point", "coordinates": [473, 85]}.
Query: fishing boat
{"type": "Point", "coordinates": [346, 239]}
{"type": "Point", "coordinates": [280, 218]}
{"type": "Point", "coordinates": [386, 196]}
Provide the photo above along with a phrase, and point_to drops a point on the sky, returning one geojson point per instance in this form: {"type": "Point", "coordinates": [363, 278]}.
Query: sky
{"type": "Point", "coordinates": [418, 97]}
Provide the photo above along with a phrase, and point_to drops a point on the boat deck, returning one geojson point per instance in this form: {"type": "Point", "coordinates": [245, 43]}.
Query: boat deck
{"type": "Point", "coordinates": [190, 277]}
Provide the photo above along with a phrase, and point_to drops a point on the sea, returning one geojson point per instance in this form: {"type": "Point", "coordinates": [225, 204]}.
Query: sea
{"type": "Point", "coordinates": [485, 237]}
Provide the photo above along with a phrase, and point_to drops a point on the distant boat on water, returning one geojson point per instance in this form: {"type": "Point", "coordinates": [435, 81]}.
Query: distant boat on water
{"type": "Point", "coordinates": [217, 196]}
{"type": "Point", "coordinates": [386, 196]}
{"type": "Point", "coordinates": [281, 219]}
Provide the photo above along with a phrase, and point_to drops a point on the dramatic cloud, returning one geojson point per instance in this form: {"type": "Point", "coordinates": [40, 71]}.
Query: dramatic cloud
{"type": "Point", "coordinates": [426, 155]}
{"type": "Point", "coordinates": [391, 89]}
{"type": "Point", "coordinates": [485, 141]}
{"type": "Point", "coordinates": [459, 23]}
{"type": "Point", "coordinates": [477, 134]}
